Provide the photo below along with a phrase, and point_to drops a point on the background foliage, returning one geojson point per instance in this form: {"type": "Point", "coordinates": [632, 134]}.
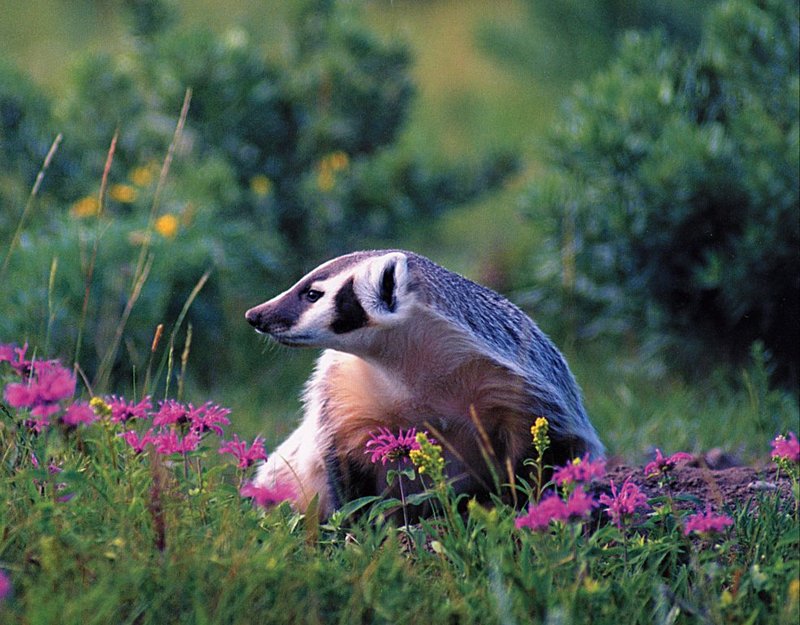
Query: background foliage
{"type": "Point", "coordinates": [653, 220]}
{"type": "Point", "coordinates": [678, 169]}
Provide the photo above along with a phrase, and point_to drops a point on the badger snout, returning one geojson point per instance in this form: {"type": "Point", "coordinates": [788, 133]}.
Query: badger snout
{"type": "Point", "coordinates": [253, 317]}
{"type": "Point", "coordinates": [267, 319]}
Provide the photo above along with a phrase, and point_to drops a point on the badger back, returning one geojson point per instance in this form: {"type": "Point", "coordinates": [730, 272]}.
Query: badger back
{"type": "Point", "coordinates": [505, 333]}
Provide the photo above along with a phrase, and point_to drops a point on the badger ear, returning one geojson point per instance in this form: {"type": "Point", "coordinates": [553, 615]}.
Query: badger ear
{"type": "Point", "coordinates": [389, 286]}
{"type": "Point", "coordinates": [384, 285]}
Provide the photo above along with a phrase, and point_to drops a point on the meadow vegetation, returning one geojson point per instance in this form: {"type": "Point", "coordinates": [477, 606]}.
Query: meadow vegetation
{"type": "Point", "coordinates": [188, 172]}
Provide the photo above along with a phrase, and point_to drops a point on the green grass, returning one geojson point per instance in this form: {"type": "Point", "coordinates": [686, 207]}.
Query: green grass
{"type": "Point", "coordinates": [163, 539]}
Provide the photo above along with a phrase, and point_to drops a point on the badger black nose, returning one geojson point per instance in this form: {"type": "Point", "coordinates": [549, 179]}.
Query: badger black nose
{"type": "Point", "coordinates": [253, 318]}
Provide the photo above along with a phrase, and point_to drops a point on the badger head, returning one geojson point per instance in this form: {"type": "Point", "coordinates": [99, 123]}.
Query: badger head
{"type": "Point", "coordinates": [344, 304]}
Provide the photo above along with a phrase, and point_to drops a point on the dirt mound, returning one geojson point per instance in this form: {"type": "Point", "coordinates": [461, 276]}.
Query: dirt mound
{"type": "Point", "coordinates": [696, 486]}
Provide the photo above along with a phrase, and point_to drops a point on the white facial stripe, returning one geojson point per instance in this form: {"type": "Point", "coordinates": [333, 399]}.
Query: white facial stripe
{"type": "Point", "coordinates": [318, 316]}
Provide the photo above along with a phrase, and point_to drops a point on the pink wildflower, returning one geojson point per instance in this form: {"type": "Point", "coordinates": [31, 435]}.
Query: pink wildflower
{"type": "Point", "coordinates": [15, 356]}
{"type": "Point", "coordinates": [5, 586]}
{"type": "Point", "coordinates": [623, 504]}
{"type": "Point", "coordinates": [239, 450]}
{"type": "Point", "coordinates": [170, 443]}
{"type": "Point", "coordinates": [539, 516]}
{"type": "Point", "coordinates": [171, 412]}
{"type": "Point", "coordinates": [706, 523]}
{"type": "Point", "coordinates": [123, 411]}
{"type": "Point", "coordinates": [580, 471]}
{"type": "Point", "coordinates": [47, 385]}
{"type": "Point", "coordinates": [387, 447]}
{"type": "Point", "coordinates": [662, 465]}
{"type": "Point", "coordinates": [208, 417]}
{"type": "Point", "coordinates": [579, 504]}
{"type": "Point", "coordinates": [37, 423]}
{"type": "Point", "coordinates": [8, 352]}
{"type": "Point", "coordinates": [77, 413]}
{"type": "Point", "coordinates": [266, 496]}
{"type": "Point", "coordinates": [138, 442]}
{"type": "Point", "coordinates": [786, 448]}
{"type": "Point", "coordinates": [553, 508]}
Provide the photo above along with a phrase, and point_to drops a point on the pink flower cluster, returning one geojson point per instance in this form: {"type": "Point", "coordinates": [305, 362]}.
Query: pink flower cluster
{"type": "Point", "coordinates": [384, 446]}
{"type": "Point", "coordinates": [44, 390]}
{"type": "Point", "coordinates": [246, 456]}
{"type": "Point", "coordinates": [576, 505]}
{"type": "Point", "coordinates": [706, 523]}
{"type": "Point", "coordinates": [580, 471]}
{"type": "Point", "coordinates": [623, 504]}
{"type": "Point", "coordinates": [5, 586]}
{"type": "Point", "coordinates": [787, 449]}
{"type": "Point", "coordinates": [266, 496]}
{"type": "Point", "coordinates": [167, 420]}
{"type": "Point", "coordinates": [662, 465]}
{"type": "Point", "coordinates": [123, 411]}
{"type": "Point", "coordinates": [554, 508]}
{"type": "Point", "coordinates": [15, 356]}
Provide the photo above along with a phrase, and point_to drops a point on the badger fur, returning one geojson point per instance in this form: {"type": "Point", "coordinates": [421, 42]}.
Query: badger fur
{"type": "Point", "coordinates": [411, 344]}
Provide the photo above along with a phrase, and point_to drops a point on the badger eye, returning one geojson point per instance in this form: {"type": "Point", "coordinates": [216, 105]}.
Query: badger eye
{"type": "Point", "coordinates": [312, 295]}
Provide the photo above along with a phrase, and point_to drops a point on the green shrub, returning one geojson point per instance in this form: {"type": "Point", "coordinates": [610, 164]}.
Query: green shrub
{"type": "Point", "coordinates": [676, 200]}
{"type": "Point", "coordinates": [288, 155]}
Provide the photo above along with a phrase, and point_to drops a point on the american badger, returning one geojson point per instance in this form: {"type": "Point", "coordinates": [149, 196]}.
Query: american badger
{"type": "Point", "coordinates": [411, 344]}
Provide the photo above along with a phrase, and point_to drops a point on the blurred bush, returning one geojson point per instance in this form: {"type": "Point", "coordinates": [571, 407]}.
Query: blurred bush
{"type": "Point", "coordinates": [568, 40]}
{"type": "Point", "coordinates": [674, 204]}
{"type": "Point", "coordinates": [289, 155]}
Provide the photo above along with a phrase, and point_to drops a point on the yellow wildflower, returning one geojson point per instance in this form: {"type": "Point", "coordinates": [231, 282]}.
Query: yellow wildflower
{"type": "Point", "coordinates": [325, 178]}
{"type": "Point", "coordinates": [123, 193]}
{"type": "Point", "coordinates": [428, 458]}
{"type": "Point", "coordinates": [338, 161]}
{"type": "Point", "coordinates": [167, 226]}
{"type": "Point", "coordinates": [260, 185]}
{"type": "Point", "coordinates": [539, 433]}
{"type": "Point", "coordinates": [726, 598]}
{"type": "Point", "coordinates": [328, 167]}
{"type": "Point", "coordinates": [86, 207]}
{"type": "Point", "coordinates": [793, 594]}
{"type": "Point", "coordinates": [591, 585]}
{"type": "Point", "coordinates": [100, 407]}
{"type": "Point", "coordinates": [142, 176]}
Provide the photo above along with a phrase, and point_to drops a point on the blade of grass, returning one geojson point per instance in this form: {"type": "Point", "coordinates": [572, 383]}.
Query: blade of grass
{"type": "Point", "coordinates": [104, 370]}
{"type": "Point", "coordinates": [176, 327]}
{"type": "Point", "coordinates": [50, 305]}
{"type": "Point", "coordinates": [87, 287]}
{"type": "Point", "coordinates": [153, 347]}
{"type": "Point", "coordinates": [184, 360]}
{"type": "Point", "coordinates": [29, 205]}
{"type": "Point", "coordinates": [162, 179]}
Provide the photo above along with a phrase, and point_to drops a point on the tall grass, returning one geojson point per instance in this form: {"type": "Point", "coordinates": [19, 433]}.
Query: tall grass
{"type": "Point", "coordinates": [94, 531]}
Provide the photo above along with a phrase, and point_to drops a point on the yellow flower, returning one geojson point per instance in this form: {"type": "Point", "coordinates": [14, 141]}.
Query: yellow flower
{"type": "Point", "coordinates": [260, 185]}
{"type": "Point", "coordinates": [167, 226]}
{"type": "Point", "coordinates": [86, 207]}
{"type": "Point", "coordinates": [142, 176]}
{"type": "Point", "coordinates": [325, 178]}
{"type": "Point", "coordinates": [100, 407]}
{"type": "Point", "coordinates": [591, 585]}
{"type": "Point", "coordinates": [328, 167]}
{"type": "Point", "coordinates": [793, 594]}
{"type": "Point", "coordinates": [428, 458]}
{"type": "Point", "coordinates": [123, 193]}
{"type": "Point", "coordinates": [338, 161]}
{"type": "Point", "coordinates": [539, 433]}
{"type": "Point", "coordinates": [726, 598]}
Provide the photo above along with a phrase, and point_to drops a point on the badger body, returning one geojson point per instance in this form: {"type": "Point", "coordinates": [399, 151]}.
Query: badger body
{"type": "Point", "coordinates": [411, 344]}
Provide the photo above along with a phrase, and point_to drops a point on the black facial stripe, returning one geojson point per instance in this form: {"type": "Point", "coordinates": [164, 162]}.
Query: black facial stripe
{"type": "Point", "coordinates": [387, 287]}
{"type": "Point", "coordinates": [350, 315]}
